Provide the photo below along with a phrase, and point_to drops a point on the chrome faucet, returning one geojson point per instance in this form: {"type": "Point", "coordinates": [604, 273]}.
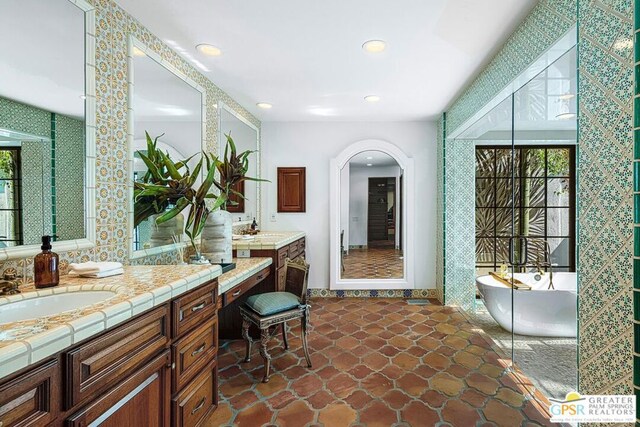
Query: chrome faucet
{"type": "Point", "coordinates": [10, 283]}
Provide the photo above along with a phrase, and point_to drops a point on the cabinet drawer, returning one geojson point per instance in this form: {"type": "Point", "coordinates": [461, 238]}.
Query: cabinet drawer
{"type": "Point", "coordinates": [237, 291]}
{"type": "Point", "coordinates": [142, 399]}
{"type": "Point", "coordinates": [97, 365]}
{"type": "Point", "coordinates": [194, 308]}
{"type": "Point", "coordinates": [196, 402]}
{"type": "Point", "coordinates": [294, 249]}
{"type": "Point", "coordinates": [193, 352]}
{"type": "Point", "coordinates": [302, 244]}
{"type": "Point", "coordinates": [283, 254]}
{"type": "Point", "coordinates": [32, 398]}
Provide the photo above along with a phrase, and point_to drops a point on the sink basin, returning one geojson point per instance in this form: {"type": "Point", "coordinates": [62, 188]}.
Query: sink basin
{"type": "Point", "coordinates": [31, 308]}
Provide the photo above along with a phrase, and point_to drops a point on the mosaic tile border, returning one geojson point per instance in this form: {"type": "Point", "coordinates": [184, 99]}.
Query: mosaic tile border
{"type": "Point", "coordinates": [389, 293]}
{"type": "Point", "coordinates": [636, 210]}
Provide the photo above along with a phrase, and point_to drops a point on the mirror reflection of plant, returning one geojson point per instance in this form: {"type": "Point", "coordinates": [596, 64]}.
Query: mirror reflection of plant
{"type": "Point", "coordinates": [232, 168]}
{"type": "Point", "coordinates": [166, 191]}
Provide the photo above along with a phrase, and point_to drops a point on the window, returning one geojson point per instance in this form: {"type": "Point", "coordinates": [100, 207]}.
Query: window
{"type": "Point", "coordinates": [10, 204]}
{"type": "Point", "coordinates": [538, 203]}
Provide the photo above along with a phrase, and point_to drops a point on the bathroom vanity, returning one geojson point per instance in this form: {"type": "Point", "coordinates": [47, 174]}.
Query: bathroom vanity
{"type": "Point", "coordinates": [146, 356]}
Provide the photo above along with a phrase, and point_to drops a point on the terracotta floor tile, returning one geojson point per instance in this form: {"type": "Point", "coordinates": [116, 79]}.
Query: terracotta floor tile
{"type": "Point", "coordinates": [419, 414]}
{"type": "Point", "coordinates": [377, 414]}
{"type": "Point", "coordinates": [295, 414]}
{"type": "Point", "coordinates": [337, 415]}
{"type": "Point", "coordinates": [410, 367]}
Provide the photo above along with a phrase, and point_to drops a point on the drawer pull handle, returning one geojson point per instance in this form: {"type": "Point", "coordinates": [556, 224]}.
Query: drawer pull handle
{"type": "Point", "coordinates": [259, 277]}
{"type": "Point", "coordinates": [236, 293]}
{"type": "Point", "coordinates": [199, 349]}
{"type": "Point", "coordinates": [198, 406]}
{"type": "Point", "coordinates": [198, 307]}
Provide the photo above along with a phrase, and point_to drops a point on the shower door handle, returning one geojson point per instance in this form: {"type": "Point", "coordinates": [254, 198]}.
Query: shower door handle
{"type": "Point", "coordinates": [524, 252]}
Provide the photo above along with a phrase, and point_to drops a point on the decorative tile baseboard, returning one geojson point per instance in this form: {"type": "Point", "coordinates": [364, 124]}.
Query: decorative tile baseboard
{"type": "Point", "coordinates": [391, 293]}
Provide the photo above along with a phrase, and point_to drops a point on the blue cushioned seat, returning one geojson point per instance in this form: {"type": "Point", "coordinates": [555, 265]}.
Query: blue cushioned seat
{"type": "Point", "coordinates": [272, 302]}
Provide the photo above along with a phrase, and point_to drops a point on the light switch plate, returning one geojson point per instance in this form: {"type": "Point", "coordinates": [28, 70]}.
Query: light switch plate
{"type": "Point", "coordinates": [244, 253]}
{"type": "Point", "coordinates": [273, 217]}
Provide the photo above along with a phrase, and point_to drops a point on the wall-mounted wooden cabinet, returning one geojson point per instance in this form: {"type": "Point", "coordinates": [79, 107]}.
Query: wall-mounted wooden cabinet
{"type": "Point", "coordinates": [291, 190]}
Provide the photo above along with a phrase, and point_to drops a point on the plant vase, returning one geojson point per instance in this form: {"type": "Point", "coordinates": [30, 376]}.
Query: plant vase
{"type": "Point", "coordinates": [216, 243]}
{"type": "Point", "coordinates": [163, 234]}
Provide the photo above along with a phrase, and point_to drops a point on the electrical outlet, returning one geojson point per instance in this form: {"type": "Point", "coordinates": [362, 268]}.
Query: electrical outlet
{"type": "Point", "coordinates": [244, 253]}
{"type": "Point", "coordinates": [273, 217]}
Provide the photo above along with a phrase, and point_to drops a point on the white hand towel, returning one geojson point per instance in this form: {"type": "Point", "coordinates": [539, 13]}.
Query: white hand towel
{"type": "Point", "coordinates": [103, 274]}
{"type": "Point", "coordinates": [93, 267]}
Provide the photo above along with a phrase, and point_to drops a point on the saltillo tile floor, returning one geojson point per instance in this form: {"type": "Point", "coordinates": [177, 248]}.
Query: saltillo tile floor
{"type": "Point", "coordinates": [376, 362]}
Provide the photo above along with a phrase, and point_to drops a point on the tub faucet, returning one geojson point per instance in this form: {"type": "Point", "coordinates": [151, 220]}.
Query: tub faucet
{"type": "Point", "coordinates": [9, 285]}
{"type": "Point", "coordinates": [548, 264]}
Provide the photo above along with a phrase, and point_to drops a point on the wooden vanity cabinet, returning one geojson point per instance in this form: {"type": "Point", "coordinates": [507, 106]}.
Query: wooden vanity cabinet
{"type": "Point", "coordinates": [157, 369]}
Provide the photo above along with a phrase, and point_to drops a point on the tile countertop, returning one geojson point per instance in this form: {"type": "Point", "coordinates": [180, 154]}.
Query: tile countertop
{"type": "Point", "coordinates": [269, 240]}
{"type": "Point", "coordinates": [139, 289]}
{"type": "Point", "coordinates": [245, 267]}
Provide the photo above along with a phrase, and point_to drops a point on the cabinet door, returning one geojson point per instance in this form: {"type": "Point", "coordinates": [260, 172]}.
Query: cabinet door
{"type": "Point", "coordinates": [142, 399]}
{"type": "Point", "coordinates": [32, 398]}
{"type": "Point", "coordinates": [291, 190]}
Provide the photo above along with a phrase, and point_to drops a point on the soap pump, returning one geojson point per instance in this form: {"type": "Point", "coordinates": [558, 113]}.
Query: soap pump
{"type": "Point", "coordinates": [254, 225]}
{"type": "Point", "coordinates": [45, 266]}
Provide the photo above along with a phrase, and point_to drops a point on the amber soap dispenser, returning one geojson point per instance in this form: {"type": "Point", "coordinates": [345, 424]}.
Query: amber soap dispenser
{"type": "Point", "coordinates": [45, 266]}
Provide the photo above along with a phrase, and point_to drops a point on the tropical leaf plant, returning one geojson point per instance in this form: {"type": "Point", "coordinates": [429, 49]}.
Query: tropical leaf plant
{"type": "Point", "coordinates": [232, 170]}
{"type": "Point", "coordinates": [167, 188]}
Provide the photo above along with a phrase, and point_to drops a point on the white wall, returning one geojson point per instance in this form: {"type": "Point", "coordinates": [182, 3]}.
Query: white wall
{"type": "Point", "coordinates": [359, 199]}
{"type": "Point", "coordinates": [312, 145]}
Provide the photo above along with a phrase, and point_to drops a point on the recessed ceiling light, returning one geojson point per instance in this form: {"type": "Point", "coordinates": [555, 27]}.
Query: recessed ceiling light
{"type": "Point", "coordinates": [138, 52]}
{"type": "Point", "coordinates": [567, 96]}
{"type": "Point", "coordinates": [264, 105]}
{"type": "Point", "coordinates": [209, 50]}
{"type": "Point", "coordinates": [372, 98]}
{"type": "Point", "coordinates": [369, 164]}
{"type": "Point", "coordinates": [374, 46]}
{"type": "Point", "coordinates": [369, 158]}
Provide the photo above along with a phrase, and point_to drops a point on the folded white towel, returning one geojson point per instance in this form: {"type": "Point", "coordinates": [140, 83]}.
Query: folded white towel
{"type": "Point", "coordinates": [103, 274]}
{"type": "Point", "coordinates": [91, 267]}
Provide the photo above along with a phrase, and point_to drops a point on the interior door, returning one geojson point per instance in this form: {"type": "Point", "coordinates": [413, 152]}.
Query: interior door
{"type": "Point", "coordinates": [377, 211]}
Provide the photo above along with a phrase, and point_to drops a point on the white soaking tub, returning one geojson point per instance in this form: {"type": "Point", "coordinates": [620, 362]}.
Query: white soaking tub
{"type": "Point", "coordinates": [540, 312]}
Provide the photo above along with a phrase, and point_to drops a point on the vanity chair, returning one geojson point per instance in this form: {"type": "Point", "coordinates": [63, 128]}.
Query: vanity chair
{"type": "Point", "coordinates": [277, 308]}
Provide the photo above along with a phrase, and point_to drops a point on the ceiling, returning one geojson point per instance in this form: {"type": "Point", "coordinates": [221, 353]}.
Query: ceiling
{"type": "Point", "coordinates": [373, 158]}
{"type": "Point", "coordinates": [42, 62]}
{"type": "Point", "coordinates": [305, 57]}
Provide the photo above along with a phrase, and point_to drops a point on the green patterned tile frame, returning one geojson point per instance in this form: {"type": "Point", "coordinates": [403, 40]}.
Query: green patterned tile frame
{"type": "Point", "coordinates": [636, 208]}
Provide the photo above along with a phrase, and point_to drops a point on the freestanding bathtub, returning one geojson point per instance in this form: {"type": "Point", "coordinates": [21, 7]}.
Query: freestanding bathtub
{"type": "Point", "coordinates": [539, 312]}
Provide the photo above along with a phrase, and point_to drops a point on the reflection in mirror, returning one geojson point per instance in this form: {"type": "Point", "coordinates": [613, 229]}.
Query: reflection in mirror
{"type": "Point", "coordinates": [42, 121]}
{"type": "Point", "coordinates": [245, 136]}
{"type": "Point", "coordinates": [370, 219]}
{"type": "Point", "coordinates": [168, 107]}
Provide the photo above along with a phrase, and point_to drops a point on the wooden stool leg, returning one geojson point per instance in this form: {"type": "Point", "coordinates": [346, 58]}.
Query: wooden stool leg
{"type": "Point", "coordinates": [304, 321]}
{"type": "Point", "coordinates": [284, 335]}
{"type": "Point", "coordinates": [245, 334]}
{"type": "Point", "coordinates": [264, 339]}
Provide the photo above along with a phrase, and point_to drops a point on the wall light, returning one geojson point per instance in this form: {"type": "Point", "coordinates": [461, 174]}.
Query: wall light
{"type": "Point", "coordinates": [209, 49]}
{"type": "Point", "coordinates": [372, 98]}
{"type": "Point", "coordinates": [264, 105]}
{"type": "Point", "coordinates": [374, 46]}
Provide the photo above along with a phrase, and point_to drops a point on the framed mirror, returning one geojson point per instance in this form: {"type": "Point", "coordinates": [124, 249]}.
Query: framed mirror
{"type": "Point", "coordinates": [246, 136]}
{"type": "Point", "coordinates": [169, 106]}
{"type": "Point", "coordinates": [47, 126]}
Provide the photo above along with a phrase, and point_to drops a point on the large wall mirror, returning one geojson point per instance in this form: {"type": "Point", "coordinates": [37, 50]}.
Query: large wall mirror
{"type": "Point", "coordinates": [46, 136]}
{"type": "Point", "coordinates": [372, 218]}
{"type": "Point", "coordinates": [246, 136]}
{"type": "Point", "coordinates": [170, 106]}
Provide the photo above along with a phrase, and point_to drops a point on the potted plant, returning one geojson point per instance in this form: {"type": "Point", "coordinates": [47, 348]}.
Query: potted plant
{"type": "Point", "coordinates": [167, 188]}
{"type": "Point", "coordinates": [232, 169]}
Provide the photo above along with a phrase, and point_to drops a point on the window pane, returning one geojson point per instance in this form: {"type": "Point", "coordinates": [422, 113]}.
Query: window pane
{"type": "Point", "coordinates": [558, 222]}
{"type": "Point", "coordinates": [532, 192]}
{"type": "Point", "coordinates": [504, 221]}
{"type": "Point", "coordinates": [504, 160]}
{"type": "Point", "coordinates": [485, 158]}
{"type": "Point", "coordinates": [532, 162]}
{"type": "Point", "coordinates": [485, 222]}
{"type": "Point", "coordinates": [533, 221]}
{"type": "Point", "coordinates": [485, 192]}
{"type": "Point", "coordinates": [560, 251]}
{"type": "Point", "coordinates": [484, 251]}
{"type": "Point", "coordinates": [502, 251]}
{"type": "Point", "coordinates": [558, 163]}
{"type": "Point", "coordinates": [504, 195]}
{"type": "Point", "coordinates": [558, 192]}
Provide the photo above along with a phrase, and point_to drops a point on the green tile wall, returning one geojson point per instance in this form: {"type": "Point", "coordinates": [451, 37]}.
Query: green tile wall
{"type": "Point", "coordinates": [636, 208]}
{"type": "Point", "coordinates": [605, 183]}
